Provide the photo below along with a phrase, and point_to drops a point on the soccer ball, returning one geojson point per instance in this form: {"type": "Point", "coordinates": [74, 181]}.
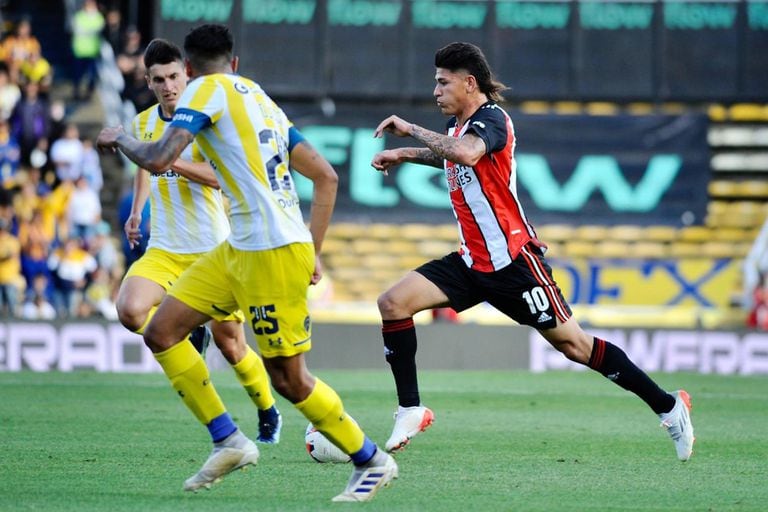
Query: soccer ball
{"type": "Point", "coordinates": [321, 449]}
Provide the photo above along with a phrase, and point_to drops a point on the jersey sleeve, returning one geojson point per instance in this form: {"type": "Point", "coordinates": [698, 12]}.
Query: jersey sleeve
{"type": "Point", "coordinates": [200, 106]}
{"type": "Point", "coordinates": [135, 127]}
{"type": "Point", "coordinates": [490, 125]}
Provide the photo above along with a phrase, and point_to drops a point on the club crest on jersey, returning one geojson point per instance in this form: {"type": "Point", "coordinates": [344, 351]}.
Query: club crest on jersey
{"type": "Point", "coordinates": [458, 176]}
{"type": "Point", "coordinates": [241, 88]}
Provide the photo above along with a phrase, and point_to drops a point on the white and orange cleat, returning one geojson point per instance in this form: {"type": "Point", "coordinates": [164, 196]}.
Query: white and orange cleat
{"type": "Point", "coordinates": [679, 426]}
{"type": "Point", "coordinates": [409, 421]}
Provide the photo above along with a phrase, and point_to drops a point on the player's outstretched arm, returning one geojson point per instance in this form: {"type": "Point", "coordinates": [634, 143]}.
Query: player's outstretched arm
{"type": "Point", "coordinates": [466, 150]}
{"type": "Point", "coordinates": [200, 172]}
{"type": "Point", "coordinates": [308, 162]}
{"type": "Point", "coordinates": [156, 156]}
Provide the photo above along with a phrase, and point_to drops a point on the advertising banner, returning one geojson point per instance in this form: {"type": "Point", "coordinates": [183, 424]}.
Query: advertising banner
{"type": "Point", "coordinates": [703, 282]}
{"type": "Point", "coordinates": [570, 169]}
{"type": "Point", "coordinates": [647, 50]}
{"type": "Point", "coordinates": [107, 347]}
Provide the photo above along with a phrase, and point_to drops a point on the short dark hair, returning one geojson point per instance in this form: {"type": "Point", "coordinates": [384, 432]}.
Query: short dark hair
{"type": "Point", "coordinates": [207, 43]}
{"type": "Point", "coordinates": [160, 51]}
{"type": "Point", "coordinates": [470, 58]}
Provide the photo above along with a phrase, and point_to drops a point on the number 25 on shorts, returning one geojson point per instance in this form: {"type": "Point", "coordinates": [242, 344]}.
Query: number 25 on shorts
{"type": "Point", "coordinates": [262, 320]}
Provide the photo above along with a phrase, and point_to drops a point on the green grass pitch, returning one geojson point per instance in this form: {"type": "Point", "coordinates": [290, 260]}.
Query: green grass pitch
{"type": "Point", "coordinates": [501, 441]}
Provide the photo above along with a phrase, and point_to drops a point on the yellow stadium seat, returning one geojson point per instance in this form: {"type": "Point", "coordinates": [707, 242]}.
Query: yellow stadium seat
{"type": "Point", "coordinates": [417, 231]}
{"type": "Point", "coordinates": [695, 234]}
{"type": "Point", "coordinates": [716, 249]}
{"type": "Point", "coordinates": [601, 108]}
{"type": "Point", "coordinates": [752, 188]}
{"type": "Point", "coordinates": [555, 232]}
{"type": "Point", "coordinates": [722, 188]}
{"type": "Point", "coordinates": [626, 232]}
{"type": "Point", "coordinates": [659, 234]}
{"type": "Point", "coordinates": [368, 246]}
{"type": "Point", "coordinates": [591, 233]}
{"type": "Point", "coordinates": [651, 250]}
{"type": "Point", "coordinates": [612, 249]}
{"type": "Point", "coordinates": [684, 250]}
{"type": "Point", "coordinates": [717, 113]}
{"type": "Point", "coordinates": [748, 112]}
{"type": "Point", "coordinates": [383, 231]}
{"type": "Point", "coordinates": [730, 234]}
{"type": "Point", "coordinates": [579, 249]}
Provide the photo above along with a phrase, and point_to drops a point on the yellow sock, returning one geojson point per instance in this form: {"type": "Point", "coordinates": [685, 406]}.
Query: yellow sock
{"type": "Point", "coordinates": [252, 375]}
{"type": "Point", "coordinates": [190, 378]}
{"type": "Point", "coordinates": [324, 409]}
{"type": "Point", "coordinates": [150, 314]}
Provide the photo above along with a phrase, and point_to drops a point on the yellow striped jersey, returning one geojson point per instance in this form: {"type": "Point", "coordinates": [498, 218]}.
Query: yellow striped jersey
{"type": "Point", "coordinates": [244, 135]}
{"type": "Point", "coordinates": [187, 217]}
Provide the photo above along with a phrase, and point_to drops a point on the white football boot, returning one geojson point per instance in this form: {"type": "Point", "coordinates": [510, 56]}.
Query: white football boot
{"type": "Point", "coordinates": [409, 421]}
{"type": "Point", "coordinates": [679, 426]}
{"type": "Point", "coordinates": [234, 452]}
{"type": "Point", "coordinates": [366, 480]}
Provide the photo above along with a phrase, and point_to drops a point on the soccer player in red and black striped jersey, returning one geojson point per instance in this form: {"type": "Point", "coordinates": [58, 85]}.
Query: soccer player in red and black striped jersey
{"type": "Point", "coordinates": [500, 260]}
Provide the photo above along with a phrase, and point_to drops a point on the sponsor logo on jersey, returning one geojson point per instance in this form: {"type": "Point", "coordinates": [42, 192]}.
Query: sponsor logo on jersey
{"type": "Point", "coordinates": [458, 176]}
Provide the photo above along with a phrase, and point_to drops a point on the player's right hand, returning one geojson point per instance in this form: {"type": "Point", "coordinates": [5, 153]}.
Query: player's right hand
{"type": "Point", "coordinates": [383, 160]}
{"type": "Point", "coordinates": [132, 230]}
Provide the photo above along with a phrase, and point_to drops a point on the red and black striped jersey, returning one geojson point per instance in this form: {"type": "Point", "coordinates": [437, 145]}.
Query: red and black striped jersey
{"type": "Point", "coordinates": [492, 224]}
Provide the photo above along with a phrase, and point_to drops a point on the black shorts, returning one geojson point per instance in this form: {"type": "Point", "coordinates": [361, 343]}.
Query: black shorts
{"type": "Point", "coordinates": [524, 290]}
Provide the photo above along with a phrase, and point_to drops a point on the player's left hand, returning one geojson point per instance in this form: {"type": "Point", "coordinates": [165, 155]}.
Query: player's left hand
{"type": "Point", "coordinates": [317, 275]}
{"type": "Point", "coordinates": [107, 138]}
{"type": "Point", "coordinates": [394, 125]}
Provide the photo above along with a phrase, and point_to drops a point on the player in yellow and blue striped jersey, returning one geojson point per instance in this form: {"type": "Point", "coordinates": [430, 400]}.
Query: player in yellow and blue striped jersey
{"type": "Point", "coordinates": [264, 267]}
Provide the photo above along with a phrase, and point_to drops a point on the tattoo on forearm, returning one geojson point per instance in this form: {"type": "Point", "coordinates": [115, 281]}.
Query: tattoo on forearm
{"type": "Point", "coordinates": [442, 146]}
{"type": "Point", "coordinates": [427, 157]}
{"type": "Point", "coordinates": [150, 155]}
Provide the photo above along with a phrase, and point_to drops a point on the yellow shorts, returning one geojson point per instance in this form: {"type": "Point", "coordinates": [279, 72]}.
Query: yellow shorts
{"type": "Point", "coordinates": [269, 286]}
{"type": "Point", "coordinates": [164, 268]}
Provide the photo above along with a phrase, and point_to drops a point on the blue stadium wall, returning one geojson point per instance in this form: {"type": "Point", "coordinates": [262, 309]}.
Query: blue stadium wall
{"type": "Point", "coordinates": [684, 50]}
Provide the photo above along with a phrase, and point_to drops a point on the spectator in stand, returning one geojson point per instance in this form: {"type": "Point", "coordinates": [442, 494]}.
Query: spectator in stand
{"type": "Point", "coordinates": [19, 46]}
{"type": "Point", "coordinates": [90, 167]}
{"type": "Point", "coordinates": [7, 213]}
{"type": "Point", "coordinates": [113, 30]}
{"type": "Point", "coordinates": [71, 266]}
{"type": "Point", "coordinates": [67, 154]}
{"type": "Point", "coordinates": [57, 119]}
{"type": "Point", "coordinates": [84, 212]}
{"type": "Point", "coordinates": [36, 239]}
{"type": "Point", "coordinates": [87, 26]}
{"type": "Point", "coordinates": [30, 121]}
{"type": "Point", "coordinates": [25, 200]}
{"type": "Point", "coordinates": [130, 60]}
{"type": "Point", "coordinates": [37, 69]}
{"type": "Point", "coordinates": [37, 306]}
{"type": "Point", "coordinates": [10, 156]}
{"type": "Point", "coordinates": [10, 271]}
{"type": "Point", "coordinates": [35, 178]}
{"type": "Point", "coordinates": [10, 94]}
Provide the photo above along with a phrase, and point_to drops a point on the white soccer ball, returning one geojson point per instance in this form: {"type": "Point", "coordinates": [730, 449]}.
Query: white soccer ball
{"type": "Point", "coordinates": [321, 449]}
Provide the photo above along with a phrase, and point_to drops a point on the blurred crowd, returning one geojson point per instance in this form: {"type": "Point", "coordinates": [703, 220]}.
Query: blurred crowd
{"type": "Point", "coordinates": [58, 257]}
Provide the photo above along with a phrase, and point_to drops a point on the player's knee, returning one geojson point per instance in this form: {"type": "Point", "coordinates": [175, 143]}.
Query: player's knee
{"type": "Point", "coordinates": [389, 307]}
{"type": "Point", "coordinates": [574, 349]}
{"type": "Point", "coordinates": [157, 339]}
{"type": "Point", "coordinates": [293, 387]}
{"type": "Point", "coordinates": [131, 315]}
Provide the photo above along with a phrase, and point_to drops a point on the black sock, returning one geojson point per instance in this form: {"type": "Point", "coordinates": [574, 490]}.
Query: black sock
{"type": "Point", "coordinates": [614, 364]}
{"type": "Point", "coordinates": [400, 351]}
